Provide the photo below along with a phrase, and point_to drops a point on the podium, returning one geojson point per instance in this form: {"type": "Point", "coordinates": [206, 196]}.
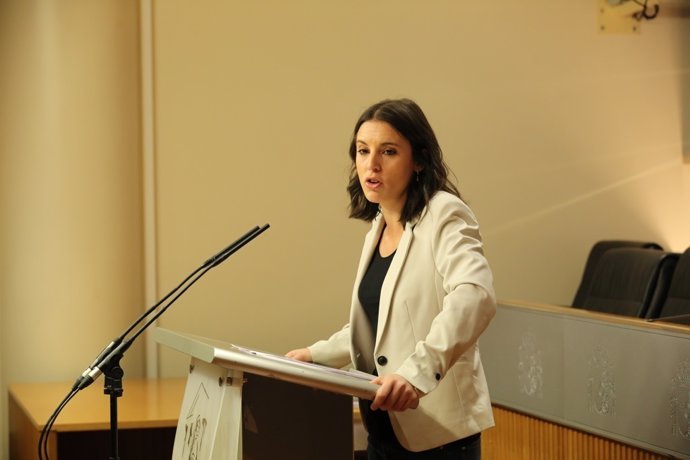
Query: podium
{"type": "Point", "coordinates": [241, 403]}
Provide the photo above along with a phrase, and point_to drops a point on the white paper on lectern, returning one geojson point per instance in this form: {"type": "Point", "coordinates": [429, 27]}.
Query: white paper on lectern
{"type": "Point", "coordinates": [284, 359]}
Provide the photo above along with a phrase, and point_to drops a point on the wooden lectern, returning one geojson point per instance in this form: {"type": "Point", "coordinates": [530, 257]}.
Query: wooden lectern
{"type": "Point", "coordinates": [246, 404]}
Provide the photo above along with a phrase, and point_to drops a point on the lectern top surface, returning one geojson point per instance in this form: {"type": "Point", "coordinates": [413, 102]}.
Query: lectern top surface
{"type": "Point", "coordinates": [354, 383]}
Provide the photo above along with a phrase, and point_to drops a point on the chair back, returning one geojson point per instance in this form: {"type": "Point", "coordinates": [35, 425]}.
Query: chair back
{"type": "Point", "coordinates": [595, 254]}
{"type": "Point", "coordinates": [677, 302]}
{"type": "Point", "coordinates": [628, 281]}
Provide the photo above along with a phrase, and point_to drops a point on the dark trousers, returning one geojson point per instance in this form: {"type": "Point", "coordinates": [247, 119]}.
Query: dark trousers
{"type": "Point", "coordinates": [469, 448]}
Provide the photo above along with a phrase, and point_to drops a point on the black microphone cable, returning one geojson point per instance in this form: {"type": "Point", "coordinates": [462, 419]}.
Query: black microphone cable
{"type": "Point", "coordinates": [43, 439]}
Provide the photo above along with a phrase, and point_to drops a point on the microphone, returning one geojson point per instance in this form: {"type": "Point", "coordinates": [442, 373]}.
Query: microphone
{"type": "Point", "coordinates": [213, 259]}
{"type": "Point", "coordinates": [237, 245]}
{"type": "Point", "coordinates": [112, 353]}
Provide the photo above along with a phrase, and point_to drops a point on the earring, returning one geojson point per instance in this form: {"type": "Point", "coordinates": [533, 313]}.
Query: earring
{"type": "Point", "coordinates": [417, 175]}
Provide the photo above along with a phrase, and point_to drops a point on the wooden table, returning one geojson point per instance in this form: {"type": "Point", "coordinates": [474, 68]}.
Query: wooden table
{"type": "Point", "coordinates": [147, 417]}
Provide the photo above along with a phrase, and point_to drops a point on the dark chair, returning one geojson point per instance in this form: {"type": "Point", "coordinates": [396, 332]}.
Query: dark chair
{"type": "Point", "coordinates": [629, 281]}
{"type": "Point", "coordinates": [676, 307]}
{"type": "Point", "coordinates": [595, 254]}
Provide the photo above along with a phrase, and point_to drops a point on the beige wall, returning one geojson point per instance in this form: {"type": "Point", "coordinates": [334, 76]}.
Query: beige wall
{"type": "Point", "coordinates": [559, 135]}
{"type": "Point", "coordinates": [70, 244]}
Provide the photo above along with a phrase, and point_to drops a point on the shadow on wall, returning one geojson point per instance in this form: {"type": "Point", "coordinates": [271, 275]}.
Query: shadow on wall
{"type": "Point", "coordinates": [546, 265]}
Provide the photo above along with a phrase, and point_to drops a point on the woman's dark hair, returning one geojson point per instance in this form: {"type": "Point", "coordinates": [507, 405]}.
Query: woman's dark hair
{"type": "Point", "coordinates": [408, 119]}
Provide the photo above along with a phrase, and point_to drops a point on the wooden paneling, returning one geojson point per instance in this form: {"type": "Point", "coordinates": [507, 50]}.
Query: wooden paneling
{"type": "Point", "coordinates": [518, 436]}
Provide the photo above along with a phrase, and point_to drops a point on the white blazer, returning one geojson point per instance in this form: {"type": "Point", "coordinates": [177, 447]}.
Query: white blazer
{"type": "Point", "coordinates": [436, 300]}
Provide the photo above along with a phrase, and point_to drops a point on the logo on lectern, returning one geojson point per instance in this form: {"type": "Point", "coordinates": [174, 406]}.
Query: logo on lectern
{"type": "Point", "coordinates": [195, 425]}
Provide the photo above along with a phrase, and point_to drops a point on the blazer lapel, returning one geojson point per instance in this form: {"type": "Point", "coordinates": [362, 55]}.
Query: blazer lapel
{"type": "Point", "coordinates": [362, 340]}
{"type": "Point", "coordinates": [391, 279]}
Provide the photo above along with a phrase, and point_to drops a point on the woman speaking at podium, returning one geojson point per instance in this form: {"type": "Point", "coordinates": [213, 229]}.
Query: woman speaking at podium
{"type": "Point", "coordinates": [423, 294]}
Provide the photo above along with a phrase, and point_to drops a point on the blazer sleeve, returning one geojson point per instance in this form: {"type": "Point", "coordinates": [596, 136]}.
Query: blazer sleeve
{"type": "Point", "coordinates": [468, 303]}
{"type": "Point", "coordinates": [334, 351]}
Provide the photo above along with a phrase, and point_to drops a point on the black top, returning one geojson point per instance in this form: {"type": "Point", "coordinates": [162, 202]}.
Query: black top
{"type": "Point", "coordinates": [370, 288]}
{"type": "Point", "coordinates": [377, 422]}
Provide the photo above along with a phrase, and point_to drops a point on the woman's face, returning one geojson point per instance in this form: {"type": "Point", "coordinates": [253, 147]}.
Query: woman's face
{"type": "Point", "coordinates": [383, 159]}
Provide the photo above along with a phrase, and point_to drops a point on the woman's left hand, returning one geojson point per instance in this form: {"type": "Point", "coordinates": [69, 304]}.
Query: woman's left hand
{"type": "Point", "coordinates": [395, 393]}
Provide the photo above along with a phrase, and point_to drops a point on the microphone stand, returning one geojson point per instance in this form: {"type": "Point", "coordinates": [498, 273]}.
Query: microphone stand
{"type": "Point", "coordinates": [112, 386]}
{"type": "Point", "coordinates": [108, 361]}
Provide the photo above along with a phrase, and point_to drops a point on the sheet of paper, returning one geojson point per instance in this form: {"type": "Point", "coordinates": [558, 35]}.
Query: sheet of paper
{"type": "Point", "coordinates": [284, 359]}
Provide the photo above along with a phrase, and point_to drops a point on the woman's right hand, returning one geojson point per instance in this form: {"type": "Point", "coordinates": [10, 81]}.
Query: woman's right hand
{"type": "Point", "coordinates": [301, 354]}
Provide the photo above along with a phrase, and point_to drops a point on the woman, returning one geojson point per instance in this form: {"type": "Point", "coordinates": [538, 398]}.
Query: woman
{"type": "Point", "coordinates": [423, 294]}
